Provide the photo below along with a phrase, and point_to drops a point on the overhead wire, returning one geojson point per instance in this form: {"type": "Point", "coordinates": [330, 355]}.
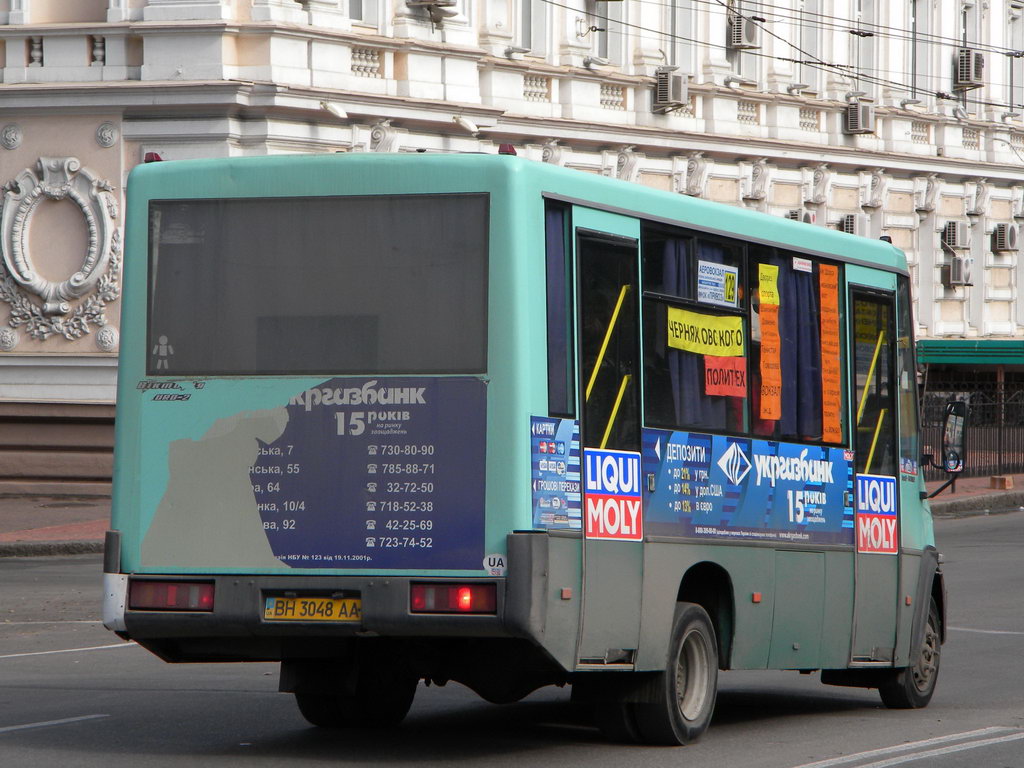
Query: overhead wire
{"type": "Point", "coordinates": [850, 71]}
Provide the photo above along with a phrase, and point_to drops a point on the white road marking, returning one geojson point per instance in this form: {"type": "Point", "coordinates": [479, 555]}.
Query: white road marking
{"type": "Point", "coordinates": [48, 723]}
{"type": "Point", "coordinates": [988, 631]}
{"type": "Point", "coordinates": [905, 747]}
{"type": "Point", "coordinates": [944, 751]}
{"type": "Point", "coordinates": [68, 650]}
{"type": "Point", "coordinates": [62, 621]}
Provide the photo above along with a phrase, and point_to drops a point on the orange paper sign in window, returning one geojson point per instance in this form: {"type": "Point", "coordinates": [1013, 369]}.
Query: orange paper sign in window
{"type": "Point", "coordinates": [725, 376]}
{"type": "Point", "coordinates": [831, 378]}
{"type": "Point", "coordinates": [771, 342]}
{"type": "Point", "coordinates": [771, 363]}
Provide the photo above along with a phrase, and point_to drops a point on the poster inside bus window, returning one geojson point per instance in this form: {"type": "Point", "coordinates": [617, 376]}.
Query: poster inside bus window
{"type": "Point", "coordinates": [712, 486]}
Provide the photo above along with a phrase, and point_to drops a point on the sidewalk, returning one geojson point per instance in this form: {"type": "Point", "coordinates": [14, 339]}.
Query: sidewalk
{"type": "Point", "coordinates": [38, 525]}
{"type": "Point", "coordinates": [44, 525]}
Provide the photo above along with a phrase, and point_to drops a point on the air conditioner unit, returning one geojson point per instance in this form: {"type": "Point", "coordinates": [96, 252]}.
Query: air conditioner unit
{"type": "Point", "coordinates": [957, 272]}
{"type": "Point", "coordinates": [743, 33]}
{"type": "Point", "coordinates": [669, 90]}
{"type": "Point", "coordinates": [797, 214]}
{"type": "Point", "coordinates": [1004, 238]}
{"type": "Point", "coordinates": [969, 69]}
{"type": "Point", "coordinates": [956, 234]}
{"type": "Point", "coordinates": [858, 118]}
{"type": "Point", "coordinates": [853, 224]}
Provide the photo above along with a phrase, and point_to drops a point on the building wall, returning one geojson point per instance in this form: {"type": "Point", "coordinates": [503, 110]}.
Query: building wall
{"type": "Point", "coordinates": [107, 81]}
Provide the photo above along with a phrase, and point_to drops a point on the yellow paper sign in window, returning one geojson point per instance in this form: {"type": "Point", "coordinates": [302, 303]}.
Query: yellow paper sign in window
{"type": "Point", "coordinates": [768, 283]}
{"type": "Point", "coordinates": [705, 334]}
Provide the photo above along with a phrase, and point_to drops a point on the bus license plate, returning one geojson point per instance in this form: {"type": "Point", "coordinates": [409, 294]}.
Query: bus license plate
{"type": "Point", "coordinates": [312, 609]}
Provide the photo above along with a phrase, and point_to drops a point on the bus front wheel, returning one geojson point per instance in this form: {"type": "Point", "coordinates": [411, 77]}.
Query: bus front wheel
{"type": "Point", "coordinates": [912, 687]}
{"type": "Point", "coordinates": [379, 701]}
{"type": "Point", "coordinates": [685, 692]}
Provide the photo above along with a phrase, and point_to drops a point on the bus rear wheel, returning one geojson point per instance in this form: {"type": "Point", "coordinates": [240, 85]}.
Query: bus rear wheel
{"type": "Point", "coordinates": [912, 687]}
{"type": "Point", "coordinates": [379, 701]}
{"type": "Point", "coordinates": [686, 690]}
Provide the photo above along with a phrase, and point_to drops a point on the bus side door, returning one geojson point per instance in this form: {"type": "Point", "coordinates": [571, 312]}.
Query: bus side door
{"type": "Point", "coordinates": [876, 492]}
{"type": "Point", "coordinates": [609, 370]}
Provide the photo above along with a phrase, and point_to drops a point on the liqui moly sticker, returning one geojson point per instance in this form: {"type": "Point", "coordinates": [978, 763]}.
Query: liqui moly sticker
{"type": "Point", "coordinates": [877, 531]}
{"type": "Point", "coordinates": [612, 495]}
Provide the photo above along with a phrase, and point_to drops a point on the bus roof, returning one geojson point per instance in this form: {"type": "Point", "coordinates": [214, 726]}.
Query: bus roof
{"type": "Point", "coordinates": [412, 173]}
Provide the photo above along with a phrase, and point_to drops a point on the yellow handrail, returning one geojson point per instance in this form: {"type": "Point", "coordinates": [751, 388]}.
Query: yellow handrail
{"type": "Point", "coordinates": [871, 373]}
{"type": "Point", "coordinates": [607, 338]}
{"type": "Point", "coordinates": [874, 440]}
{"type": "Point", "coordinates": [615, 409]}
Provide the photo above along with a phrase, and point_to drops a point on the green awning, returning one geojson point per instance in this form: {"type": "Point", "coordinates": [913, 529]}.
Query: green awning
{"type": "Point", "coordinates": [971, 351]}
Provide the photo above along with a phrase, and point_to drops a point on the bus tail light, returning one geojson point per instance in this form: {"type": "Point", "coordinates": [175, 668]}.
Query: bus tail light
{"type": "Point", "coordinates": [453, 598]}
{"type": "Point", "coordinates": [170, 596]}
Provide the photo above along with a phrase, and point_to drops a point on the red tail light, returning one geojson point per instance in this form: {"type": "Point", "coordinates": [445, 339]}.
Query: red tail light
{"type": "Point", "coordinates": [453, 598]}
{"type": "Point", "coordinates": [170, 596]}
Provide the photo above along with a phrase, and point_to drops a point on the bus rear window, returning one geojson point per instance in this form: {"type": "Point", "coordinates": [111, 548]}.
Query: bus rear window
{"type": "Point", "coordinates": [318, 285]}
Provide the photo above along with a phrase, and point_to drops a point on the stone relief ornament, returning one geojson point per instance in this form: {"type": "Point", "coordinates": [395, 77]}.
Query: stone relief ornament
{"type": "Point", "coordinates": [11, 136]}
{"type": "Point", "coordinates": [68, 308]}
{"type": "Point", "coordinates": [978, 206]}
{"type": "Point", "coordinates": [627, 164]}
{"type": "Point", "coordinates": [383, 137]}
{"type": "Point", "coordinates": [874, 189]}
{"type": "Point", "coordinates": [926, 191]}
{"type": "Point", "coordinates": [693, 180]}
{"type": "Point", "coordinates": [754, 179]}
{"type": "Point", "coordinates": [8, 339]}
{"type": "Point", "coordinates": [553, 153]}
{"type": "Point", "coordinates": [106, 338]}
{"type": "Point", "coordinates": [106, 135]}
{"type": "Point", "coordinates": [819, 186]}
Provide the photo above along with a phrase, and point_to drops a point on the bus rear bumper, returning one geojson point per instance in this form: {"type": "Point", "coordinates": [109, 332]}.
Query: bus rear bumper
{"type": "Point", "coordinates": [236, 630]}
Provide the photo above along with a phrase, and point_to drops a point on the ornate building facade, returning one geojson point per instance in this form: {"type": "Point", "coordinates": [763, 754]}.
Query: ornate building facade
{"type": "Point", "coordinates": [881, 118]}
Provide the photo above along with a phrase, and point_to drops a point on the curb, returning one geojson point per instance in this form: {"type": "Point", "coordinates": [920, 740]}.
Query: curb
{"type": "Point", "coordinates": [981, 504]}
{"type": "Point", "coordinates": [49, 548]}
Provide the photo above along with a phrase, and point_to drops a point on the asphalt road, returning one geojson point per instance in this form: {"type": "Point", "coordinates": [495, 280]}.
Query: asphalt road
{"type": "Point", "coordinates": [71, 694]}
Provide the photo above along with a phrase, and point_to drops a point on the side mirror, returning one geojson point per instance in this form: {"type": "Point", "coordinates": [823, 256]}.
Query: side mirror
{"type": "Point", "coordinates": [953, 436]}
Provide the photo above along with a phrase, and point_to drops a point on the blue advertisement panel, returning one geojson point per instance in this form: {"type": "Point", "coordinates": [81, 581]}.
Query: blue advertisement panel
{"type": "Point", "coordinates": [555, 465]}
{"type": "Point", "coordinates": [715, 487]}
{"type": "Point", "coordinates": [377, 474]}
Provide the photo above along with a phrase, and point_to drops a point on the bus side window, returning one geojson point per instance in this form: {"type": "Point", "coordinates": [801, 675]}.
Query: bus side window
{"type": "Point", "coordinates": [795, 361]}
{"type": "Point", "coordinates": [695, 364]}
{"type": "Point", "coordinates": [561, 375]}
{"type": "Point", "coordinates": [873, 367]}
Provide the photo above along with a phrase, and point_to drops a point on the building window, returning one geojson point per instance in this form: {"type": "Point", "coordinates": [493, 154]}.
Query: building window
{"type": "Point", "coordinates": [863, 42]}
{"type": "Point", "coordinates": [531, 26]}
{"type": "Point", "coordinates": [809, 23]}
{"type": "Point", "coordinates": [1015, 64]}
{"type": "Point", "coordinates": [681, 25]}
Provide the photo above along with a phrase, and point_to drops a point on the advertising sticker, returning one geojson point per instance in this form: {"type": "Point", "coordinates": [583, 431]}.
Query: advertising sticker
{"type": "Point", "coordinates": [613, 505]}
{"type": "Point", "coordinates": [555, 472]}
{"type": "Point", "coordinates": [877, 531]}
{"type": "Point", "coordinates": [377, 473]}
{"type": "Point", "coordinates": [717, 283]}
{"type": "Point", "coordinates": [712, 486]}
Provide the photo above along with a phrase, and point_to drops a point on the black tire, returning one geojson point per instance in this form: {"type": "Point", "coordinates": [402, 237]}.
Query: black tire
{"type": "Point", "coordinates": [381, 701]}
{"type": "Point", "coordinates": [686, 690]}
{"type": "Point", "coordinates": [912, 687]}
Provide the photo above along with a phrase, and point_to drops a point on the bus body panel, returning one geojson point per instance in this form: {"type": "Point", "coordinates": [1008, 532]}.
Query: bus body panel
{"type": "Point", "coordinates": [572, 601]}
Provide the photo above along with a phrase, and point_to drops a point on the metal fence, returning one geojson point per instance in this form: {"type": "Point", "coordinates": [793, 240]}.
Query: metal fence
{"type": "Point", "coordinates": [995, 422]}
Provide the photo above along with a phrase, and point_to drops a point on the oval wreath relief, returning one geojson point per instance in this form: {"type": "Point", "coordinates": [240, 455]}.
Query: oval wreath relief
{"type": "Point", "coordinates": [70, 307]}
